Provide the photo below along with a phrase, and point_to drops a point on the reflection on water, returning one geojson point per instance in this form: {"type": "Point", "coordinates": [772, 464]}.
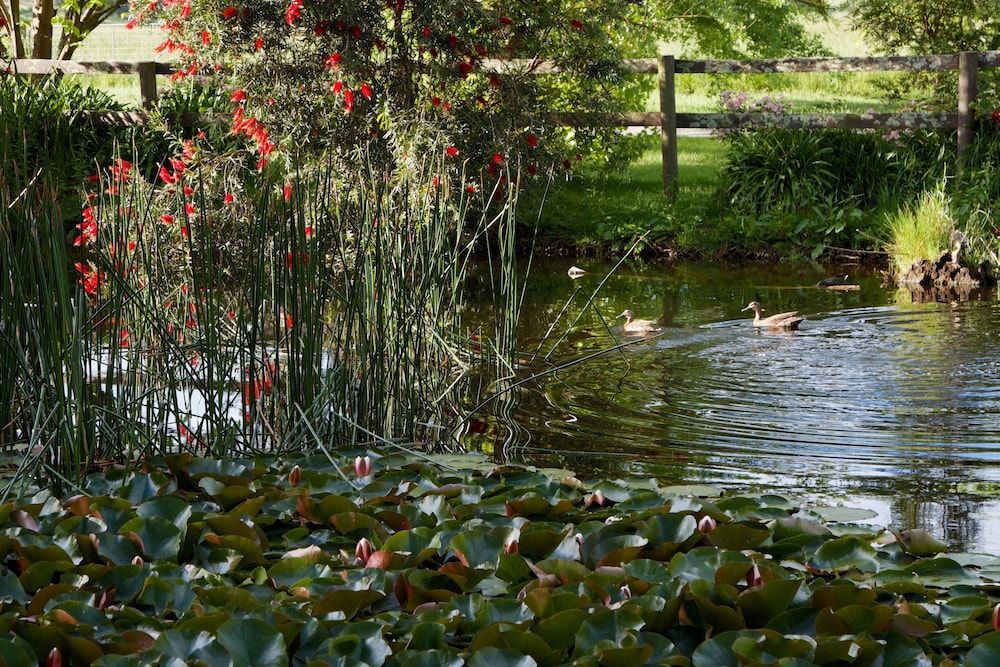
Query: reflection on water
{"type": "Point", "coordinates": [876, 401]}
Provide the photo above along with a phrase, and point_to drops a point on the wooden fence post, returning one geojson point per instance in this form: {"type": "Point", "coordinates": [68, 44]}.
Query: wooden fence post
{"type": "Point", "coordinates": [668, 124]}
{"type": "Point", "coordinates": [968, 65]}
{"type": "Point", "coordinates": [147, 84]}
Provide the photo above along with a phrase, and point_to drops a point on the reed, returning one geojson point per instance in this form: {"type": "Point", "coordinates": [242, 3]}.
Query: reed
{"type": "Point", "coordinates": [309, 312]}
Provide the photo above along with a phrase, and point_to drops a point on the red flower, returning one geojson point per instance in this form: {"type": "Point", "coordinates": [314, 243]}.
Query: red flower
{"type": "Point", "coordinates": [206, 38]}
{"type": "Point", "coordinates": [287, 191]}
{"type": "Point", "coordinates": [497, 158]}
{"type": "Point", "coordinates": [577, 24]}
{"type": "Point", "coordinates": [228, 199]}
{"type": "Point", "coordinates": [293, 12]}
{"type": "Point", "coordinates": [532, 140]}
{"type": "Point", "coordinates": [229, 13]}
{"type": "Point", "coordinates": [452, 151]}
{"type": "Point", "coordinates": [167, 219]}
{"type": "Point", "coordinates": [348, 100]}
{"type": "Point", "coordinates": [995, 118]}
{"type": "Point", "coordinates": [366, 91]}
{"type": "Point", "coordinates": [258, 44]}
{"type": "Point", "coordinates": [166, 176]}
{"type": "Point", "coordinates": [435, 101]}
{"type": "Point", "coordinates": [239, 96]}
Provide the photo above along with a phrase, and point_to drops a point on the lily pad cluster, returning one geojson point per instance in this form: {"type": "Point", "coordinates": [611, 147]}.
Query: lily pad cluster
{"type": "Point", "coordinates": [449, 561]}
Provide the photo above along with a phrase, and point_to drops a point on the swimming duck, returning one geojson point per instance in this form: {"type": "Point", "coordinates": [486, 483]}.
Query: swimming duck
{"type": "Point", "coordinates": [633, 325]}
{"type": "Point", "coordinates": [789, 320]}
{"type": "Point", "coordinates": [833, 280]}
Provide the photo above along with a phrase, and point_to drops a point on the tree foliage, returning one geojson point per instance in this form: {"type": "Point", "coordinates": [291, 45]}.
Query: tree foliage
{"type": "Point", "coordinates": [382, 79]}
{"type": "Point", "coordinates": [917, 26]}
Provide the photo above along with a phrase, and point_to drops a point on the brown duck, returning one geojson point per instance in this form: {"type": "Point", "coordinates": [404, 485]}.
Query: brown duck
{"type": "Point", "coordinates": [789, 320]}
{"type": "Point", "coordinates": [633, 325]}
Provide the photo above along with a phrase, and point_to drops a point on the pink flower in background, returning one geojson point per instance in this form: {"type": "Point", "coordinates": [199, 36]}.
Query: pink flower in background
{"type": "Point", "coordinates": [995, 118]}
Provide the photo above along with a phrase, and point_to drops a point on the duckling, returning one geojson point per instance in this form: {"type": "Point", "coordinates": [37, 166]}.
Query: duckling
{"type": "Point", "coordinates": [633, 325]}
{"type": "Point", "coordinates": [789, 320]}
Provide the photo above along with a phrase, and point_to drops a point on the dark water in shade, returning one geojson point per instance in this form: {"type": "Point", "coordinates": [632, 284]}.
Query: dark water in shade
{"type": "Point", "coordinates": [877, 402]}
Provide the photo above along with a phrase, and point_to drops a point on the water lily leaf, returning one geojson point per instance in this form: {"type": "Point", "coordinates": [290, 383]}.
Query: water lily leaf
{"type": "Point", "coordinates": [964, 608]}
{"type": "Point", "coordinates": [667, 534]}
{"type": "Point", "coordinates": [699, 491]}
{"type": "Point", "coordinates": [919, 542]}
{"type": "Point", "coordinates": [854, 619]}
{"type": "Point", "coordinates": [559, 630]}
{"type": "Point", "coordinates": [762, 604]}
{"type": "Point", "coordinates": [253, 642]}
{"type": "Point", "coordinates": [770, 647]}
{"type": "Point", "coordinates": [796, 526]}
{"type": "Point", "coordinates": [421, 543]}
{"type": "Point", "coordinates": [911, 626]}
{"type": "Point", "coordinates": [158, 538]}
{"type": "Point", "coordinates": [347, 602]}
{"type": "Point", "coordinates": [716, 617]}
{"type": "Point", "coordinates": [986, 652]}
{"type": "Point", "coordinates": [648, 571]}
{"type": "Point", "coordinates": [15, 652]}
{"type": "Point", "coordinates": [702, 563]}
{"type": "Point", "coordinates": [847, 650]}
{"type": "Point", "coordinates": [228, 472]}
{"type": "Point", "coordinates": [616, 550]}
{"type": "Point", "coordinates": [491, 656]}
{"type": "Point", "coordinates": [844, 553]}
{"type": "Point", "coordinates": [126, 580]}
{"type": "Point", "coordinates": [11, 590]}
{"type": "Point", "coordinates": [41, 574]}
{"type": "Point", "coordinates": [436, 658]}
{"type": "Point", "coordinates": [358, 525]}
{"type": "Point", "coordinates": [534, 506]}
{"type": "Point", "coordinates": [607, 627]}
{"type": "Point", "coordinates": [426, 637]}
{"type": "Point", "coordinates": [174, 509]}
{"type": "Point", "coordinates": [718, 651]}
{"type": "Point", "coordinates": [738, 536]}
{"type": "Point", "coordinates": [117, 549]}
{"type": "Point", "coordinates": [836, 514]}
{"type": "Point", "coordinates": [942, 572]}
{"type": "Point", "coordinates": [478, 548]}
{"type": "Point", "coordinates": [842, 595]}
{"type": "Point", "coordinates": [289, 572]}
{"type": "Point", "coordinates": [227, 597]}
{"type": "Point", "coordinates": [185, 646]}
{"type": "Point", "coordinates": [506, 636]}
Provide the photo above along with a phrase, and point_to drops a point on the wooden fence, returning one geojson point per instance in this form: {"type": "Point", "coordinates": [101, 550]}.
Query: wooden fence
{"type": "Point", "coordinates": [667, 118]}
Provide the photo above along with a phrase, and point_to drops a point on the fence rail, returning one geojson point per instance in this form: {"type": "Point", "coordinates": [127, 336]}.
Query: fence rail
{"type": "Point", "coordinates": [666, 68]}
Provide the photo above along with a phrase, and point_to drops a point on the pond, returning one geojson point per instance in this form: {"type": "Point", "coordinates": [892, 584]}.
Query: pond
{"type": "Point", "coordinates": [878, 401]}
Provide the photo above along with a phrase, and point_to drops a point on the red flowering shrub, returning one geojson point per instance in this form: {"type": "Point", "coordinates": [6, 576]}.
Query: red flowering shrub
{"type": "Point", "coordinates": [387, 78]}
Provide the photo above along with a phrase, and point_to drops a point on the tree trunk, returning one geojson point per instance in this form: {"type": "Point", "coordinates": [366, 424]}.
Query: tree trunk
{"type": "Point", "coordinates": [42, 14]}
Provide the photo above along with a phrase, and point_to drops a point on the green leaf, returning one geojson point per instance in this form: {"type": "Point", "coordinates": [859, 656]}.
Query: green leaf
{"type": "Point", "coordinates": [986, 652]}
{"type": "Point", "coordinates": [844, 553]}
{"type": "Point", "coordinates": [157, 537]}
{"type": "Point", "coordinates": [254, 643]}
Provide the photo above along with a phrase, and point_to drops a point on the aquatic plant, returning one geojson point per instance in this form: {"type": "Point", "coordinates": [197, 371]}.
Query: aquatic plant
{"type": "Point", "coordinates": [443, 560]}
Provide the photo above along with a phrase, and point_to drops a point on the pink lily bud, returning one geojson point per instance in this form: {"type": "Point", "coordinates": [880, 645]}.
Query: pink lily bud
{"type": "Point", "coordinates": [363, 551]}
{"type": "Point", "coordinates": [54, 659]}
{"type": "Point", "coordinates": [362, 466]}
{"type": "Point", "coordinates": [996, 617]}
{"type": "Point", "coordinates": [754, 577]}
{"type": "Point", "coordinates": [295, 476]}
{"type": "Point", "coordinates": [706, 524]}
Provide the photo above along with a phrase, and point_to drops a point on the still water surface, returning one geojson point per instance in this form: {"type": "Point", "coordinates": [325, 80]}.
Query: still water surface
{"type": "Point", "coordinates": [877, 402]}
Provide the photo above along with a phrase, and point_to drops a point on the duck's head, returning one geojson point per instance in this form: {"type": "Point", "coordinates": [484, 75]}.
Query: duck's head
{"type": "Point", "coordinates": [627, 314]}
{"type": "Point", "coordinates": [754, 306]}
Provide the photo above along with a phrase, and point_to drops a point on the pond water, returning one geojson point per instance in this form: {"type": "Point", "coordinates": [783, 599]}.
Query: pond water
{"type": "Point", "coordinates": [878, 401]}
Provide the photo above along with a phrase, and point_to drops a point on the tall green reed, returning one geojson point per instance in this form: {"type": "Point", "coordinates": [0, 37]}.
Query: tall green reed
{"type": "Point", "coordinates": [305, 311]}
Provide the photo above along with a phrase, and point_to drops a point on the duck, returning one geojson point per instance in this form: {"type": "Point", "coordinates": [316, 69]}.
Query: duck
{"type": "Point", "coordinates": [633, 325]}
{"type": "Point", "coordinates": [789, 320]}
{"type": "Point", "coordinates": [833, 280]}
